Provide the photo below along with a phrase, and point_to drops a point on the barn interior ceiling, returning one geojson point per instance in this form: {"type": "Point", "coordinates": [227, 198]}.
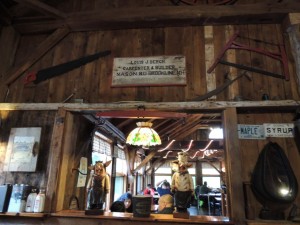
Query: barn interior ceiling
{"type": "Point", "coordinates": [179, 131]}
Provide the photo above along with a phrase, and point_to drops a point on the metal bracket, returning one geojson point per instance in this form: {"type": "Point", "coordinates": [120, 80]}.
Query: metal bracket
{"type": "Point", "coordinates": [232, 44]}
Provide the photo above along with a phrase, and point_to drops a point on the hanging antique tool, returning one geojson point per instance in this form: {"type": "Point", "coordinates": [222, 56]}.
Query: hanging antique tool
{"type": "Point", "coordinates": [218, 90]}
{"type": "Point", "coordinates": [232, 44]}
{"type": "Point", "coordinates": [45, 74]}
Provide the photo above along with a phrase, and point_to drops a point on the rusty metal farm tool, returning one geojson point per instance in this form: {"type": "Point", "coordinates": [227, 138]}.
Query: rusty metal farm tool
{"type": "Point", "coordinates": [221, 88]}
{"type": "Point", "coordinates": [233, 44]}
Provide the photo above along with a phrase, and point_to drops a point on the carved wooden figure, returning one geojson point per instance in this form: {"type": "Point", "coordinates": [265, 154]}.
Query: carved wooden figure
{"type": "Point", "coordinates": [98, 186]}
{"type": "Point", "coordinates": [182, 184]}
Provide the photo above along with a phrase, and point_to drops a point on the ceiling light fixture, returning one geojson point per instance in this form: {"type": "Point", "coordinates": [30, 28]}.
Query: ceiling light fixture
{"type": "Point", "coordinates": [216, 133]}
{"type": "Point", "coordinates": [167, 147]}
{"type": "Point", "coordinates": [202, 150]}
{"type": "Point", "coordinates": [166, 156]}
{"type": "Point", "coordinates": [143, 135]}
{"type": "Point", "coordinates": [190, 145]}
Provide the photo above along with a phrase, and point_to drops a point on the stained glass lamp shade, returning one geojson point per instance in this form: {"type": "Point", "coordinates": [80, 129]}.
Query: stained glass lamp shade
{"type": "Point", "coordinates": [143, 135]}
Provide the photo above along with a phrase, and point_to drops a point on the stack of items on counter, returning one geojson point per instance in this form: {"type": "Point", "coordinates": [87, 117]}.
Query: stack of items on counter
{"type": "Point", "coordinates": [21, 198]}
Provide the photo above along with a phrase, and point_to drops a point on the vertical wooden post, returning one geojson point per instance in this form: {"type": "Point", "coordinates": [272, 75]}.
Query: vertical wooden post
{"type": "Point", "coordinates": [63, 194]}
{"type": "Point", "coordinates": [54, 159]}
{"type": "Point", "coordinates": [209, 58]}
{"type": "Point", "coordinates": [199, 177]}
{"type": "Point", "coordinates": [113, 176]}
{"type": "Point", "coordinates": [233, 167]}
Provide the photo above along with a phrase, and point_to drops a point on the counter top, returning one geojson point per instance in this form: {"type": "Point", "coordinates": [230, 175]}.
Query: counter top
{"type": "Point", "coordinates": [153, 217]}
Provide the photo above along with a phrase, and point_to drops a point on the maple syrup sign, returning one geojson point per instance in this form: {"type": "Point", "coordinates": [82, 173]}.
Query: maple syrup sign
{"type": "Point", "coordinates": [149, 71]}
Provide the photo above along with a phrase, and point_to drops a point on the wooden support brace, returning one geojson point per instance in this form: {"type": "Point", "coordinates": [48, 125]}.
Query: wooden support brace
{"type": "Point", "coordinates": [41, 50]}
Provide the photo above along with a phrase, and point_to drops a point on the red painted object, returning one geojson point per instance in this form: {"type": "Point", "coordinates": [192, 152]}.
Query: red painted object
{"type": "Point", "coordinates": [232, 44]}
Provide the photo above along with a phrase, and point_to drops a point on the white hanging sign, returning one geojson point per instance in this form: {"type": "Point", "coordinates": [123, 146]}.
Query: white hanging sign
{"type": "Point", "coordinates": [246, 131]}
{"type": "Point", "coordinates": [279, 129]}
{"type": "Point", "coordinates": [83, 170]}
{"type": "Point", "coordinates": [149, 71]}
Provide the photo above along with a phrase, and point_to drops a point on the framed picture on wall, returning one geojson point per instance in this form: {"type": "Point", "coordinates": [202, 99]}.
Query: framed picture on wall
{"type": "Point", "coordinates": [22, 149]}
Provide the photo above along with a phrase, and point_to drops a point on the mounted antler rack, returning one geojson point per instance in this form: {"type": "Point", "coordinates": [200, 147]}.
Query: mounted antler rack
{"type": "Point", "coordinates": [232, 44]}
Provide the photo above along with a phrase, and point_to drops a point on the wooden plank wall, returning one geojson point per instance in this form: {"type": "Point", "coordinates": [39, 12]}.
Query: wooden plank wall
{"type": "Point", "coordinates": [92, 82]}
{"type": "Point", "coordinates": [200, 45]}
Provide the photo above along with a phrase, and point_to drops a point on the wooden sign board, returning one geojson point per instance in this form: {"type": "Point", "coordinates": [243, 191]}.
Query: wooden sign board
{"type": "Point", "coordinates": [279, 129]}
{"type": "Point", "coordinates": [22, 149]}
{"type": "Point", "coordinates": [149, 71]}
{"type": "Point", "coordinates": [246, 131]}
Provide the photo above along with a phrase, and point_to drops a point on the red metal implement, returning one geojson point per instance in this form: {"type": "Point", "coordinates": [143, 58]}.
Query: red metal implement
{"type": "Point", "coordinates": [232, 44]}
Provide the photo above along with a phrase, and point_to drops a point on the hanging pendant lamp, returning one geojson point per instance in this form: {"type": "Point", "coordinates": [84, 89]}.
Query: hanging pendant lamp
{"type": "Point", "coordinates": [143, 135]}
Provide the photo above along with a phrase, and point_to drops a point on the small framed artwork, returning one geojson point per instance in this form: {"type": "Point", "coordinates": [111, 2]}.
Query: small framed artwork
{"type": "Point", "coordinates": [22, 149]}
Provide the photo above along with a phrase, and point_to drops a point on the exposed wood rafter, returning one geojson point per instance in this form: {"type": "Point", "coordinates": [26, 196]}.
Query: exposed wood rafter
{"type": "Point", "coordinates": [144, 162]}
{"type": "Point", "coordinates": [278, 105]}
{"type": "Point", "coordinates": [163, 16]}
{"type": "Point", "coordinates": [43, 8]}
{"type": "Point", "coordinates": [41, 50]}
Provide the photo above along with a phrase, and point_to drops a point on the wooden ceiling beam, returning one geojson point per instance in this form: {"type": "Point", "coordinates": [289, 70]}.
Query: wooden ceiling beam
{"type": "Point", "coordinates": [145, 161]}
{"type": "Point", "coordinates": [182, 127]}
{"type": "Point", "coordinates": [43, 8]}
{"type": "Point", "coordinates": [125, 123]}
{"type": "Point", "coordinates": [253, 106]}
{"type": "Point", "coordinates": [160, 123]}
{"type": "Point", "coordinates": [140, 114]}
{"type": "Point", "coordinates": [187, 132]}
{"type": "Point", "coordinates": [37, 53]}
{"type": "Point", "coordinates": [166, 16]}
{"type": "Point", "coordinates": [167, 130]}
{"type": "Point", "coordinates": [181, 131]}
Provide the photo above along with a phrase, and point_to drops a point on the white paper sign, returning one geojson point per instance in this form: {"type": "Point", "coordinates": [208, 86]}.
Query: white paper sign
{"type": "Point", "coordinates": [149, 71]}
{"type": "Point", "coordinates": [279, 129]}
{"type": "Point", "coordinates": [83, 170]}
{"type": "Point", "coordinates": [246, 131]}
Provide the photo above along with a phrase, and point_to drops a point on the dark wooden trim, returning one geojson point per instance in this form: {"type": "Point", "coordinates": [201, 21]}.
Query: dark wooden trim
{"type": "Point", "coordinates": [163, 16]}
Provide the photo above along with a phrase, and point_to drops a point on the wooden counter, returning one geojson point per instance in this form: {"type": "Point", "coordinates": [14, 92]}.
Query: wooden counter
{"type": "Point", "coordinates": [75, 217]}
{"type": "Point", "coordinates": [153, 217]}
